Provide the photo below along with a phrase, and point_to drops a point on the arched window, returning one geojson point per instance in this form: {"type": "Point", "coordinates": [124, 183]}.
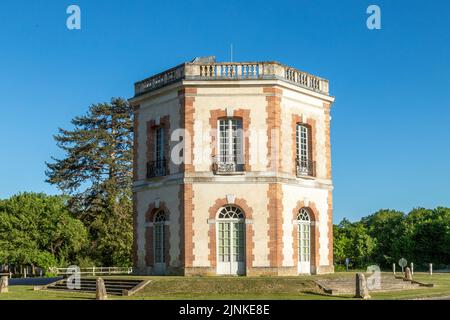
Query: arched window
{"type": "Point", "coordinates": [231, 240]}
{"type": "Point", "coordinates": [231, 212]}
{"type": "Point", "coordinates": [304, 238]}
{"type": "Point", "coordinates": [303, 215]}
{"type": "Point", "coordinates": [158, 236]}
{"type": "Point", "coordinates": [160, 216]}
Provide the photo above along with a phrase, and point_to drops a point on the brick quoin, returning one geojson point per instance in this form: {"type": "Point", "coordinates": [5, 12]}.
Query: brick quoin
{"type": "Point", "coordinates": [186, 97]}
{"type": "Point", "coordinates": [186, 196]}
{"type": "Point", "coordinates": [273, 109]}
{"type": "Point", "coordinates": [275, 223]}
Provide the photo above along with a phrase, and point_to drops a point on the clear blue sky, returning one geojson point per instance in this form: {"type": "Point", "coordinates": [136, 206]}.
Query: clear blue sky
{"type": "Point", "coordinates": [391, 119]}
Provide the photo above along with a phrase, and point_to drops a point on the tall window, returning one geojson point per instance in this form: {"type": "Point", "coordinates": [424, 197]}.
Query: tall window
{"type": "Point", "coordinates": [304, 234]}
{"type": "Point", "coordinates": [159, 144]}
{"type": "Point", "coordinates": [158, 237]}
{"type": "Point", "coordinates": [303, 142]}
{"type": "Point", "coordinates": [230, 156]}
{"type": "Point", "coordinates": [157, 166]}
{"type": "Point", "coordinates": [231, 234]}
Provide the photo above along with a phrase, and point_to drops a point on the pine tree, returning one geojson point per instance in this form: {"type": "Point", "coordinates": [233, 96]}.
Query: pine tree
{"type": "Point", "coordinates": [97, 173]}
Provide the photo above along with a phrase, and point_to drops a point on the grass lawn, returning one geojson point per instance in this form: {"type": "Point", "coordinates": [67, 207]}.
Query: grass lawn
{"type": "Point", "coordinates": [230, 288]}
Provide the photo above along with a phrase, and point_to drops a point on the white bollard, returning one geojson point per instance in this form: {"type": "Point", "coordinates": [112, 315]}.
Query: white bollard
{"type": "Point", "coordinates": [431, 269]}
{"type": "Point", "coordinates": [412, 268]}
{"type": "Point", "coordinates": [393, 268]}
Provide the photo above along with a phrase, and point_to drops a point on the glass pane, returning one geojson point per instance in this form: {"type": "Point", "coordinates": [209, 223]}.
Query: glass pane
{"type": "Point", "coordinates": [302, 144]}
{"type": "Point", "coordinates": [158, 243]}
{"type": "Point", "coordinates": [304, 242]}
{"type": "Point", "coordinates": [159, 144]}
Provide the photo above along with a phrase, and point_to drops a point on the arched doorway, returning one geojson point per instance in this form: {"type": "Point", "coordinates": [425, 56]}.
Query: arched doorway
{"type": "Point", "coordinates": [304, 241]}
{"type": "Point", "coordinates": [159, 250]}
{"type": "Point", "coordinates": [230, 241]}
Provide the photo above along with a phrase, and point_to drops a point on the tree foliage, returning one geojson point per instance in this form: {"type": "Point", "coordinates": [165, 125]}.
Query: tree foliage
{"type": "Point", "coordinates": [96, 173]}
{"type": "Point", "coordinates": [422, 236]}
{"type": "Point", "coordinates": [38, 230]}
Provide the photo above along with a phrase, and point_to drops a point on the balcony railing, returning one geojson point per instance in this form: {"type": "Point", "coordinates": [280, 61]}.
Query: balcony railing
{"type": "Point", "coordinates": [233, 71]}
{"type": "Point", "coordinates": [226, 166]}
{"type": "Point", "coordinates": [306, 168]}
{"type": "Point", "coordinates": [158, 168]}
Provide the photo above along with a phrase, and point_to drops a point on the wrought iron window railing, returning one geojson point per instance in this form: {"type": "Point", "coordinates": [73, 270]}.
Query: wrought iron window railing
{"type": "Point", "coordinates": [157, 168]}
{"type": "Point", "coordinates": [306, 167]}
{"type": "Point", "coordinates": [226, 165]}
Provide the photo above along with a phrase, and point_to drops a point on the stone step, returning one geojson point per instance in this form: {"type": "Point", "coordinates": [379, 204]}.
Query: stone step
{"type": "Point", "coordinates": [93, 285]}
{"type": "Point", "coordinates": [108, 285]}
{"type": "Point", "coordinates": [89, 285]}
{"type": "Point", "coordinates": [83, 291]}
{"type": "Point", "coordinates": [347, 285]}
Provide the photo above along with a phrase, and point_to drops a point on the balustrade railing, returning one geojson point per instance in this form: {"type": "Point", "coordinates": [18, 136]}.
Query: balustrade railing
{"type": "Point", "coordinates": [232, 70]}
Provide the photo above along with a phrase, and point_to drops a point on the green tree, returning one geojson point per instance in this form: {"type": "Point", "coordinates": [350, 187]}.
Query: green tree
{"type": "Point", "coordinates": [38, 230]}
{"type": "Point", "coordinates": [429, 234]}
{"type": "Point", "coordinates": [353, 241]}
{"type": "Point", "coordinates": [422, 236]}
{"type": "Point", "coordinates": [97, 173]}
{"type": "Point", "coordinates": [388, 228]}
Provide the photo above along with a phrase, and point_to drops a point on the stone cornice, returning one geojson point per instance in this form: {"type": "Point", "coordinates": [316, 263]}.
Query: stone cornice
{"type": "Point", "coordinates": [247, 178]}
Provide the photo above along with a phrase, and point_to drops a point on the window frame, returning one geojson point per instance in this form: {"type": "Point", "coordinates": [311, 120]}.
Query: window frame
{"type": "Point", "coordinates": [233, 139]}
{"type": "Point", "coordinates": [304, 235]}
{"type": "Point", "coordinates": [159, 222]}
{"type": "Point", "coordinates": [303, 144]}
{"type": "Point", "coordinates": [159, 144]}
